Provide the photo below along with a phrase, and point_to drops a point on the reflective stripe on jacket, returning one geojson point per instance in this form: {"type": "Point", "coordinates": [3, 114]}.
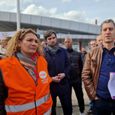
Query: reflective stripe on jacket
{"type": "Point", "coordinates": [24, 96]}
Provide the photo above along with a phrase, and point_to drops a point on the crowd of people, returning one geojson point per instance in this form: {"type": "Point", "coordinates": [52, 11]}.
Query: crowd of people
{"type": "Point", "coordinates": [34, 73]}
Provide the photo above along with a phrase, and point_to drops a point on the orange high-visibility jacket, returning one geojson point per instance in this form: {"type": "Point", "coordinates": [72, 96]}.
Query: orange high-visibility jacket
{"type": "Point", "coordinates": [24, 96]}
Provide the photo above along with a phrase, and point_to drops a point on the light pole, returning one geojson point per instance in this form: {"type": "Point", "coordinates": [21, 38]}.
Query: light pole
{"type": "Point", "coordinates": [18, 14]}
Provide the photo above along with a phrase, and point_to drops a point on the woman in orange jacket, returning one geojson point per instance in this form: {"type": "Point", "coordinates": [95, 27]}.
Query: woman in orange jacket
{"type": "Point", "coordinates": [24, 79]}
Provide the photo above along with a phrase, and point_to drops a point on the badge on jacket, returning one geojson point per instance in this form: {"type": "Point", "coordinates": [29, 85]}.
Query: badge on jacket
{"type": "Point", "coordinates": [43, 76]}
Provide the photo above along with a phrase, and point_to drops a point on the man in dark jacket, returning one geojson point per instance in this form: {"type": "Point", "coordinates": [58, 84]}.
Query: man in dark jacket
{"type": "Point", "coordinates": [58, 67]}
{"type": "Point", "coordinates": [75, 73]}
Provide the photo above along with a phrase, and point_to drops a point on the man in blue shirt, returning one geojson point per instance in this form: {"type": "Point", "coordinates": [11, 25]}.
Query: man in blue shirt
{"type": "Point", "coordinates": [99, 63]}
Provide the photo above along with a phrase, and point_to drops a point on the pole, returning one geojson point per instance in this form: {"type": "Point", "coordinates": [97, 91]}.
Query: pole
{"type": "Point", "coordinates": [18, 14]}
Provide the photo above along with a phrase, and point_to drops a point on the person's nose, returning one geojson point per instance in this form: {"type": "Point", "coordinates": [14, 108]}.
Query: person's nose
{"type": "Point", "coordinates": [108, 31]}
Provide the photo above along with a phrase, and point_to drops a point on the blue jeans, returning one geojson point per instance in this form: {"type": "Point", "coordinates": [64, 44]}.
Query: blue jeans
{"type": "Point", "coordinates": [104, 107]}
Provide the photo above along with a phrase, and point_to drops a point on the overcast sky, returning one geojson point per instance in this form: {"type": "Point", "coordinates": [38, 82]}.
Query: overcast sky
{"type": "Point", "coordinates": [78, 10]}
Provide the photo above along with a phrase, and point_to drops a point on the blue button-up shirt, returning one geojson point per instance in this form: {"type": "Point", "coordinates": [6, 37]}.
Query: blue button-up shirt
{"type": "Point", "coordinates": [107, 66]}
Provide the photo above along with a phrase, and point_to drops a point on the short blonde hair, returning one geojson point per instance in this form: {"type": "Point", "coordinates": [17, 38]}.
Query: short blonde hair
{"type": "Point", "coordinates": [13, 47]}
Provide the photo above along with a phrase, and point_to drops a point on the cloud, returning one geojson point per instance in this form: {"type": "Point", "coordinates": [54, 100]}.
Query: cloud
{"type": "Point", "coordinates": [66, 0]}
{"type": "Point", "coordinates": [74, 15]}
{"type": "Point", "coordinates": [97, 0]}
{"type": "Point", "coordinates": [8, 1]}
{"type": "Point", "coordinates": [11, 5]}
{"type": "Point", "coordinates": [5, 5]}
{"type": "Point", "coordinates": [39, 10]}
